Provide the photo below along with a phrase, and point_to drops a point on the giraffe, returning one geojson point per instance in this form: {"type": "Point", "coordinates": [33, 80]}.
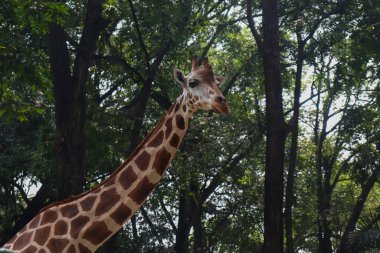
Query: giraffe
{"type": "Point", "coordinates": [84, 222]}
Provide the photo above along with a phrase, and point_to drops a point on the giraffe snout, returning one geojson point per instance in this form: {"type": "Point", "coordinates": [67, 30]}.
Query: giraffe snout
{"type": "Point", "coordinates": [220, 99]}
{"type": "Point", "coordinates": [220, 105]}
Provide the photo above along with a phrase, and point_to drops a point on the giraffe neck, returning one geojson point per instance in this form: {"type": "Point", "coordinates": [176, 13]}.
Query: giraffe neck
{"type": "Point", "coordinates": [84, 223]}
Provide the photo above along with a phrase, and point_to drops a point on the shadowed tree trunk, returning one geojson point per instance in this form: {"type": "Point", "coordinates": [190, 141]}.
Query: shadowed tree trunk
{"type": "Point", "coordinates": [354, 217]}
{"type": "Point", "coordinates": [289, 194]}
{"type": "Point", "coordinates": [33, 207]}
{"type": "Point", "coordinates": [69, 95]}
{"type": "Point", "coordinates": [276, 126]}
{"type": "Point", "coordinates": [184, 225]}
{"type": "Point", "coordinates": [276, 132]}
{"type": "Point", "coordinates": [324, 233]}
{"type": "Point", "coordinates": [196, 216]}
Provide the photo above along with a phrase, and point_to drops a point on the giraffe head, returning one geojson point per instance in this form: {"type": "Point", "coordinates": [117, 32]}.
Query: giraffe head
{"type": "Point", "coordinates": [201, 88]}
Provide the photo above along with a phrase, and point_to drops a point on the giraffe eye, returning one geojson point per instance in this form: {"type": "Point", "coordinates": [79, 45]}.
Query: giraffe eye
{"type": "Point", "coordinates": [193, 83]}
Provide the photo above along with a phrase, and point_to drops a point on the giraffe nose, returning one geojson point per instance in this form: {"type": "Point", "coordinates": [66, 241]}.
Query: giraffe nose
{"type": "Point", "coordinates": [220, 99]}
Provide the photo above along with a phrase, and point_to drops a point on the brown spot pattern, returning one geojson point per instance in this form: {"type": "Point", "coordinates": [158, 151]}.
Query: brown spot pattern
{"type": "Point", "coordinates": [161, 161]}
{"type": "Point", "coordinates": [127, 177]}
{"type": "Point", "coordinates": [174, 141]}
{"type": "Point", "coordinates": [121, 214]}
{"type": "Point", "coordinates": [108, 199]}
{"type": "Point", "coordinates": [34, 223]}
{"type": "Point", "coordinates": [56, 245]}
{"type": "Point", "coordinates": [142, 161]}
{"type": "Point", "coordinates": [22, 241]}
{"type": "Point", "coordinates": [43, 251]}
{"type": "Point", "coordinates": [41, 235]}
{"type": "Point", "coordinates": [77, 224]}
{"type": "Point", "coordinates": [71, 249]}
{"type": "Point", "coordinates": [184, 108]}
{"type": "Point", "coordinates": [109, 182]}
{"type": "Point", "coordinates": [30, 249]}
{"type": "Point", "coordinates": [176, 107]}
{"type": "Point", "coordinates": [180, 122]}
{"type": "Point", "coordinates": [169, 127]}
{"type": "Point", "coordinates": [97, 190]}
{"type": "Point", "coordinates": [142, 190]}
{"type": "Point", "coordinates": [69, 211]}
{"type": "Point", "coordinates": [48, 216]}
{"type": "Point", "coordinates": [60, 228]}
{"type": "Point", "coordinates": [88, 203]}
{"type": "Point", "coordinates": [97, 232]}
{"type": "Point", "coordinates": [83, 249]}
{"type": "Point", "coordinates": [157, 140]}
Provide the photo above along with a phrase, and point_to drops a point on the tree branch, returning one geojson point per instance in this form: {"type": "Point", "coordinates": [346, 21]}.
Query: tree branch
{"type": "Point", "coordinates": [139, 34]}
{"type": "Point", "coordinates": [150, 223]}
{"type": "Point", "coordinates": [251, 25]}
{"type": "Point", "coordinates": [136, 75]}
{"type": "Point", "coordinates": [162, 100]}
{"type": "Point", "coordinates": [229, 165]}
{"type": "Point", "coordinates": [355, 214]}
{"type": "Point", "coordinates": [167, 213]}
{"type": "Point", "coordinates": [306, 100]}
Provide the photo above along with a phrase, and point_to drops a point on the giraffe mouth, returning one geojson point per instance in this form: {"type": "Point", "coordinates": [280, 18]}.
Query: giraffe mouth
{"type": "Point", "coordinates": [221, 108]}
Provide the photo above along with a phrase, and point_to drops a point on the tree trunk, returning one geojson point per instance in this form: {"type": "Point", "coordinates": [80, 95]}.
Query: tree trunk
{"type": "Point", "coordinates": [184, 225]}
{"type": "Point", "coordinates": [289, 195]}
{"type": "Point", "coordinates": [33, 207]}
{"type": "Point", "coordinates": [354, 217]}
{"type": "Point", "coordinates": [196, 216]}
{"type": "Point", "coordinates": [323, 179]}
{"type": "Point", "coordinates": [276, 132]}
{"type": "Point", "coordinates": [69, 95]}
{"type": "Point", "coordinates": [198, 246]}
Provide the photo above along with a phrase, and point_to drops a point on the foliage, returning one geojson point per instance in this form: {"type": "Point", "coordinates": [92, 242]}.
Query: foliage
{"type": "Point", "coordinates": [144, 40]}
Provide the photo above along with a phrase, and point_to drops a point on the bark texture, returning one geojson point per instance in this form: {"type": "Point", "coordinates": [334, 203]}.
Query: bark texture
{"type": "Point", "coordinates": [69, 95]}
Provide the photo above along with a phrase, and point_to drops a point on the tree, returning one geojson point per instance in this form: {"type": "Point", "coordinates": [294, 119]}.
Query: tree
{"type": "Point", "coordinates": [275, 125]}
{"type": "Point", "coordinates": [69, 95]}
{"type": "Point", "coordinates": [212, 198]}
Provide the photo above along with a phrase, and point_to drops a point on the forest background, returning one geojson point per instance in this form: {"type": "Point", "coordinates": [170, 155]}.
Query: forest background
{"type": "Point", "coordinates": [294, 168]}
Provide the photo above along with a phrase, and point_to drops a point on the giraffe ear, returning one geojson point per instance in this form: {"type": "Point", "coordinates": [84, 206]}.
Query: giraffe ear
{"type": "Point", "coordinates": [179, 77]}
{"type": "Point", "coordinates": [220, 80]}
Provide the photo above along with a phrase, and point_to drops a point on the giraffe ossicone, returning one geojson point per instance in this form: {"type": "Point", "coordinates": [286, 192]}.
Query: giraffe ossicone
{"type": "Point", "coordinates": [83, 223]}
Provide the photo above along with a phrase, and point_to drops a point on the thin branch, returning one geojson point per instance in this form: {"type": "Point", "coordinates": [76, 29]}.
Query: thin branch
{"type": "Point", "coordinates": [139, 34]}
{"type": "Point", "coordinates": [136, 77]}
{"type": "Point", "coordinates": [167, 213]}
{"type": "Point", "coordinates": [150, 223]}
{"type": "Point", "coordinates": [251, 25]}
{"type": "Point", "coordinates": [306, 100]}
{"type": "Point", "coordinates": [209, 44]}
{"type": "Point", "coordinates": [218, 30]}
{"type": "Point", "coordinates": [226, 168]}
{"type": "Point", "coordinates": [213, 7]}
{"type": "Point", "coordinates": [22, 193]}
{"type": "Point", "coordinates": [340, 171]}
{"type": "Point", "coordinates": [233, 79]}
{"type": "Point", "coordinates": [134, 74]}
{"type": "Point", "coordinates": [108, 93]}
{"type": "Point", "coordinates": [332, 129]}
{"type": "Point", "coordinates": [335, 113]}
{"type": "Point", "coordinates": [162, 100]}
{"type": "Point", "coordinates": [159, 57]}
